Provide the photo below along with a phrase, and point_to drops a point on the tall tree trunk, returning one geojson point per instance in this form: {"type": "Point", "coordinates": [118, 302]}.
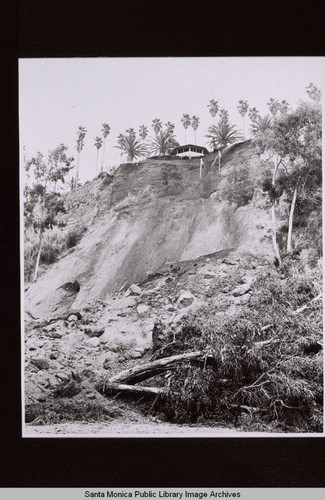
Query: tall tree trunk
{"type": "Point", "coordinates": [292, 209]}
{"type": "Point", "coordinates": [77, 171]}
{"type": "Point", "coordinates": [275, 243]}
{"type": "Point", "coordinates": [102, 166]}
{"type": "Point", "coordinates": [97, 161]}
{"type": "Point", "coordinates": [38, 256]}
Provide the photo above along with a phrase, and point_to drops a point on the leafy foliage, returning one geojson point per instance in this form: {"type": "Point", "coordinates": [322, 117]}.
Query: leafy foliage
{"type": "Point", "coordinates": [156, 125]}
{"type": "Point", "coordinates": [163, 143]}
{"type": "Point", "coordinates": [213, 107]}
{"type": "Point", "coordinates": [242, 107]}
{"type": "Point", "coordinates": [131, 146]}
{"type": "Point", "coordinates": [223, 133]}
{"type": "Point", "coordinates": [262, 376]}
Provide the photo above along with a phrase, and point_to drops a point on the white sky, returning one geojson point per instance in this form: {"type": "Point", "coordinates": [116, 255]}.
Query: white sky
{"type": "Point", "coordinates": [58, 95]}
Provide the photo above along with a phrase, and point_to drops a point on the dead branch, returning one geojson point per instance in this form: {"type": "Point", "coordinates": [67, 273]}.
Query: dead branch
{"type": "Point", "coordinates": [143, 372]}
{"type": "Point", "coordinates": [48, 321]}
{"type": "Point", "coordinates": [134, 389]}
{"type": "Point", "coordinates": [307, 305]}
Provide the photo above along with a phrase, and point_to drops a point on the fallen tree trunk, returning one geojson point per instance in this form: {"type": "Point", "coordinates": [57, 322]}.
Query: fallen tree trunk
{"type": "Point", "coordinates": [133, 389]}
{"type": "Point", "coordinates": [148, 370]}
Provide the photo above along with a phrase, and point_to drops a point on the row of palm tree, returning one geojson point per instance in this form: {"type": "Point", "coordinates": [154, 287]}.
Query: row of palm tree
{"type": "Point", "coordinates": [99, 142]}
{"type": "Point", "coordinates": [162, 143]}
{"type": "Point", "coordinates": [219, 134]}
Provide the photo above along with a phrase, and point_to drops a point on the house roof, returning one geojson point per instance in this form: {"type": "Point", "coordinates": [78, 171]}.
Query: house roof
{"type": "Point", "coordinates": [190, 147]}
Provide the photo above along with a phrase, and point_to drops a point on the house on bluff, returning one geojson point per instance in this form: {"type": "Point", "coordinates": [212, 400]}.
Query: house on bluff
{"type": "Point", "coordinates": [189, 151]}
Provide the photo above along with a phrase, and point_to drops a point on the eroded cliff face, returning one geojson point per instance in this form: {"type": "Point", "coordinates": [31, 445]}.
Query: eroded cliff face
{"type": "Point", "coordinates": [152, 213]}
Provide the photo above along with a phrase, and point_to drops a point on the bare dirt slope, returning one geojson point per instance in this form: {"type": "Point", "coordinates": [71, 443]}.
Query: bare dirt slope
{"type": "Point", "coordinates": [153, 213]}
{"type": "Point", "coordinates": [66, 357]}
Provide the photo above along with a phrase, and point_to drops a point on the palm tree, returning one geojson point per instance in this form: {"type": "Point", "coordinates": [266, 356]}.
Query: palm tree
{"type": "Point", "coordinates": [195, 125]}
{"type": "Point", "coordinates": [274, 106]}
{"type": "Point", "coordinates": [259, 129]}
{"type": "Point", "coordinates": [261, 124]}
{"type": "Point", "coordinates": [131, 131]}
{"type": "Point", "coordinates": [163, 143]}
{"type": "Point", "coordinates": [81, 133]}
{"type": "Point", "coordinates": [131, 146]}
{"type": "Point", "coordinates": [213, 107]}
{"type": "Point", "coordinates": [186, 121]}
{"type": "Point", "coordinates": [253, 113]}
{"type": "Point", "coordinates": [156, 125]}
{"type": "Point", "coordinates": [222, 134]}
{"type": "Point", "coordinates": [170, 127]}
{"type": "Point", "coordinates": [98, 144]}
{"type": "Point", "coordinates": [242, 109]}
{"type": "Point", "coordinates": [105, 130]}
{"type": "Point", "coordinates": [143, 132]}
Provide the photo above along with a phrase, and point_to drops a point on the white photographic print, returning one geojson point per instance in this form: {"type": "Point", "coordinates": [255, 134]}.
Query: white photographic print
{"type": "Point", "coordinates": [171, 243]}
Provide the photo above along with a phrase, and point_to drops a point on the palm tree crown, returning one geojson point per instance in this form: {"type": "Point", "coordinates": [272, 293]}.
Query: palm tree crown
{"type": "Point", "coordinates": [156, 125]}
{"type": "Point", "coordinates": [81, 134]}
{"type": "Point", "coordinates": [170, 127]}
{"type": "Point", "coordinates": [98, 142]}
{"type": "Point", "coordinates": [261, 124]}
{"type": "Point", "coordinates": [163, 143]}
{"type": "Point", "coordinates": [253, 114]}
{"type": "Point", "coordinates": [143, 132]}
{"type": "Point", "coordinates": [213, 107]}
{"type": "Point", "coordinates": [105, 130]}
{"type": "Point", "coordinates": [195, 125]}
{"type": "Point", "coordinates": [242, 107]}
{"type": "Point", "coordinates": [130, 146]}
{"type": "Point", "coordinates": [222, 134]}
{"type": "Point", "coordinates": [186, 121]}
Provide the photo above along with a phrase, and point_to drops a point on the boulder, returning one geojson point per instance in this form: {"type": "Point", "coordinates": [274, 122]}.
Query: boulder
{"type": "Point", "coordinates": [241, 290]}
{"type": "Point", "coordinates": [41, 363]}
{"type": "Point", "coordinates": [63, 376]}
{"type": "Point", "coordinates": [94, 331]}
{"type": "Point", "coordinates": [133, 290]}
{"type": "Point", "coordinates": [72, 317]}
{"type": "Point", "coordinates": [93, 342]}
{"type": "Point", "coordinates": [135, 355]}
{"type": "Point", "coordinates": [142, 309]}
{"type": "Point", "coordinates": [209, 276]}
{"type": "Point", "coordinates": [104, 338]}
{"type": "Point", "coordinates": [185, 299]}
{"type": "Point", "coordinates": [56, 334]}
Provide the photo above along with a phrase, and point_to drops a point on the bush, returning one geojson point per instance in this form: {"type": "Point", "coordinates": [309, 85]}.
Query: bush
{"type": "Point", "coordinates": [74, 236]}
{"type": "Point", "coordinates": [68, 411]}
{"type": "Point", "coordinates": [269, 379]}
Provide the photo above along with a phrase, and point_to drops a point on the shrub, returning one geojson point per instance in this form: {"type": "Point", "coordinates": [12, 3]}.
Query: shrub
{"type": "Point", "coordinates": [69, 410]}
{"type": "Point", "coordinates": [74, 236]}
{"type": "Point", "coordinates": [269, 379]}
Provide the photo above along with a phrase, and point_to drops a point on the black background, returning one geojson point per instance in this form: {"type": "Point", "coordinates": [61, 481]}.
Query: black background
{"type": "Point", "coordinates": [134, 28]}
